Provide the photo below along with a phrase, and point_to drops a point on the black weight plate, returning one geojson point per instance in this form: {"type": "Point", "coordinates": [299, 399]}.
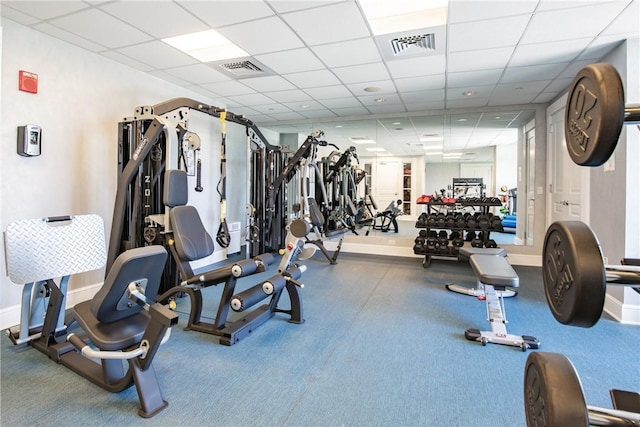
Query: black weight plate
{"type": "Point", "coordinates": [594, 114]}
{"type": "Point", "coordinates": [484, 222]}
{"type": "Point", "coordinates": [552, 392]}
{"type": "Point", "coordinates": [573, 273]}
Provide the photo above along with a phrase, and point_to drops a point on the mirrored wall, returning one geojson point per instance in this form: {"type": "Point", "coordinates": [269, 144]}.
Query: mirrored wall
{"type": "Point", "coordinates": [408, 156]}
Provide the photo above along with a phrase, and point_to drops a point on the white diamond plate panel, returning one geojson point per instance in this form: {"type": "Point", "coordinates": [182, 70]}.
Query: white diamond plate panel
{"type": "Point", "coordinates": [37, 249]}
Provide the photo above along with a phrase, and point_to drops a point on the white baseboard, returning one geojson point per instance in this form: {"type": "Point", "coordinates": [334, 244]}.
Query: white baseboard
{"type": "Point", "coordinates": [527, 260]}
{"type": "Point", "coordinates": [10, 316]}
{"type": "Point", "coordinates": [624, 313]}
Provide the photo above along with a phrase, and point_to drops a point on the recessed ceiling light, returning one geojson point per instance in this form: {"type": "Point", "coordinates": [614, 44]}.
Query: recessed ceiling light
{"type": "Point", "coordinates": [462, 120]}
{"type": "Point", "coordinates": [497, 117]}
{"type": "Point", "coordinates": [380, 99]}
{"type": "Point", "coordinates": [372, 89]}
{"type": "Point", "coordinates": [361, 140]}
{"type": "Point", "coordinates": [387, 17]}
{"type": "Point", "coordinates": [469, 93]}
{"type": "Point", "coordinates": [378, 149]}
{"type": "Point", "coordinates": [206, 46]}
{"type": "Point", "coordinates": [304, 106]}
{"type": "Point", "coordinates": [338, 126]}
{"type": "Point", "coordinates": [428, 138]}
{"type": "Point", "coordinates": [395, 123]}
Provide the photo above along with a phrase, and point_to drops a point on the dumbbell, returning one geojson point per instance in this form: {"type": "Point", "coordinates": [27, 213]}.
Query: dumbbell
{"type": "Point", "coordinates": [418, 247]}
{"type": "Point", "coordinates": [496, 223]}
{"type": "Point", "coordinates": [594, 114]}
{"type": "Point", "coordinates": [450, 220]}
{"type": "Point", "coordinates": [553, 396]}
{"type": "Point", "coordinates": [491, 243]}
{"type": "Point", "coordinates": [575, 276]}
{"type": "Point", "coordinates": [484, 221]}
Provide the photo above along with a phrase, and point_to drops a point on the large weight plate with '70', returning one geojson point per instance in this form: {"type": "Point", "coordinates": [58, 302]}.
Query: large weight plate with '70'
{"type": "Point", "coordinates": [573, 273]}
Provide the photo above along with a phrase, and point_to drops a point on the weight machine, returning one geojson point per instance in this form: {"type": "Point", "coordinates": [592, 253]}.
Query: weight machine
{"type": "Point", "coordinates": [156, 138]}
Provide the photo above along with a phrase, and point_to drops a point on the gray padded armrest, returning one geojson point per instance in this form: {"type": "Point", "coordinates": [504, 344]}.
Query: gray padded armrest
{"type": "Point", "coordinates": [494, 270]}
{"type": "Point", "coordinates": [466, 252]}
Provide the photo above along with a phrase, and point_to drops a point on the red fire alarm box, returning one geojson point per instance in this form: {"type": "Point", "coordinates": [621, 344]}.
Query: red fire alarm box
{"type": "Point", "coordinates": [27, 81]}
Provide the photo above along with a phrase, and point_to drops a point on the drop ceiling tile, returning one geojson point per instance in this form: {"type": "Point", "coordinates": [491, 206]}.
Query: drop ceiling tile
{"type": "Point", "coordinates": [268, 83]}
{"type": "Point", "coordinates": [226, 12]}
{"type": "Point", "coordinates": [317, 114]}
{"type": "Point", "coordinates": [471, 78]}
{"type": "Point", "coordinates": [426, 105]}
{"type": "Point", "coordinates": [421, 83]}
{"type": "Point", "coordinates": [288, 95]}
{"type": "Point", "coordinates": [385, 86]}
{"type": "Point", "coordinates": [362, 73]}
{"type": "Point", "coordinates": [423, 96]}
{"type": "Point", "coordinates": [164, 19]}
{"type": "Point", "coordinates": [416, 67]}
{"type": "Point", "coordinates": [283, 6]}
{"type": "Point", "coordinates": [487, 34]}
{"type": "Point", "coordinates": [272, 109]}
{"type": "Point", "coordinates": [338, 22]}
{"type": "Point", "coordinates": [483, 59]}
{"type": "Point", "coordinates": [354, 52]}
{"type": "Point", "coordinates": [157, 54]}
{"type": "Point", "coordinates": [551, 5]}
{"type": "Point", "coordinates": [197, 74]}
{"type": "Point", "coordinates": [559, 85]}
{"type": "Point", "coordinates": [534, 87]}
{"type": "Point", "coordinates": [573, 68]}
{"type": "Point", "coordinates": [262, 36]}
{"type": "Point", "coordinates": [514, 99]}
{"type": "Point", "coordinates": [572, 23]}
{"type": "Point", "coordinates": [168, 78]}
{"type": "Point", "coordinates": [626, 23]}
{"type": "Point", "coordinates": [458, 93]}
{"type": "Point", "coordinates": [341, 102]}
{"type": "Point", "coordinates": [61, 34]}
{"type": "Point", "coordinates": [251, 100]}
{"type": "Point", "coordinates": [303, 107]}
{"type": "Point", "coordinates": [600, 47]}
{"type": "Point", "coordinates": [350, 111]}
{"type": "Point", "coordinates": [316, 78]}
{"type": "Point", "coordinates": [241, 110]}
{"type": "Point", "coordinates": [125, 60]}
{"type": "Point", "coordinates": [16, 15]}
{"type": "Point", "coordinates": [391, 99]}
{"type": "Point", "coordinates": [548, 53]}
{"type": "Point", "coordinates": [229, 88]}
{"type": "Point", "coordinates": [328, 92]}
{"type": "Point", "coordinates": [532, 73]}
{"type": "Point", "coordinates": [386, 109]}
{"type": "Point", "coordinates": [291, 61]}
{"type": "Point", "coordinates": [101, 28]}
{"type": "Point", "coordinates": [201, 90]}
{"type": "Point", "coordinates": [466, 103]}
{"type": "Point", "coordinates": [288, 116]}
{"type": "Point", "coordinates": [545, 97]}
{"type": "Point", "coordinates": [45, 9]}
{"type": "Point", "coordinates": [463, 11]}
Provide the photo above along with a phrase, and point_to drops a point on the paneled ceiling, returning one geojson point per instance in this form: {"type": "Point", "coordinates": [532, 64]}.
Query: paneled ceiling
{"type": "Point", "coordinates": [321, 63]}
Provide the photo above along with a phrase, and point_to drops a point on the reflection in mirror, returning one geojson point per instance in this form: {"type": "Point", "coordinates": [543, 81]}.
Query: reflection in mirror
{"type": "Point", "coordinates": [407, 157]}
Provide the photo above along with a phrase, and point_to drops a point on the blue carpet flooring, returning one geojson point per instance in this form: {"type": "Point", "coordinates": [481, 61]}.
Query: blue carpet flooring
{"type": "Point", "coordinates": [383, 345]}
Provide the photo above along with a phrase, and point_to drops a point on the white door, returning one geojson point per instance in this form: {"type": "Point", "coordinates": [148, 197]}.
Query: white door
{"type": "Point", "coordinates": [530, 147]}
{"type": "Point", "coordinates": [567, 181]}
{"type": "Point", "coordinates": [387, 186]}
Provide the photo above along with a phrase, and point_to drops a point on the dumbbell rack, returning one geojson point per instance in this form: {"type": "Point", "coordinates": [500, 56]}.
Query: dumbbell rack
{"type": "Point", "coordinates": [447, 232]}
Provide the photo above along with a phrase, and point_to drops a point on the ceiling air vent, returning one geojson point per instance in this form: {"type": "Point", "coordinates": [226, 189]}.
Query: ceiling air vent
{"type": "Point", "coordinates": [422, 41]}
{"type": "Point", "coordinates": [409, 44]}
{"type": "Point", "coordinates": [242, 68]}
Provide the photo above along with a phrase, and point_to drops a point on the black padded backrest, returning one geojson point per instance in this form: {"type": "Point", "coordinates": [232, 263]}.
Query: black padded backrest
{"type": "Point", "coordinates": [317, 218]}
{"type": "Point", "coordinates": [176, 191]}
{"type": "Point", "coordinates": [192, 241]}
{"type": "Point", "coordinates": [133, 265]}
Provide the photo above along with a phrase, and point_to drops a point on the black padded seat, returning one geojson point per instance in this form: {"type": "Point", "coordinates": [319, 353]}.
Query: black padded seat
{"type": "Point", "coordinates": [114, 336]}
{"type": "Point", "coordinates": [110, 319]}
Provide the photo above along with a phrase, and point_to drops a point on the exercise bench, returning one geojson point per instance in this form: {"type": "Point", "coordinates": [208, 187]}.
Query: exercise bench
{"type": "Point", "coordinates": [478, 292]}
{"type": "Point", "coordinates": [495, 274]}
